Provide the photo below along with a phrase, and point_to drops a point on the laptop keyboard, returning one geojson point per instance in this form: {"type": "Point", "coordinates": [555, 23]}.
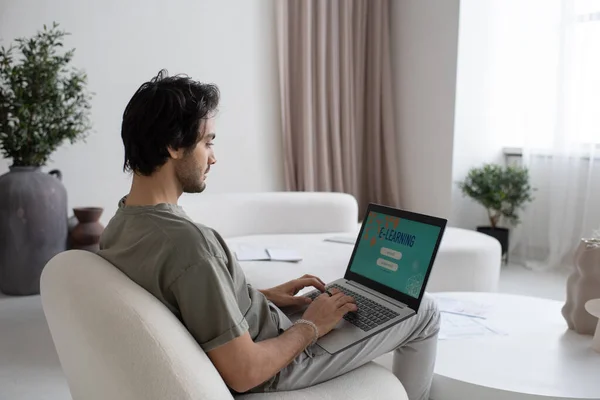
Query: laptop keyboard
{"type": "Point", "coordinates": [369, 315]}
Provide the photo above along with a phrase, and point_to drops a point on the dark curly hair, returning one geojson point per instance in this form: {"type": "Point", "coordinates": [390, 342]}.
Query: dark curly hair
{"type": "Point", "coordinates": [166, 112]}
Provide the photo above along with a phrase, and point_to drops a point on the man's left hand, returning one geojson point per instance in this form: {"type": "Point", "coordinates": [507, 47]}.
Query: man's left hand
{"type": "Point", "coordinates": [285, 295]}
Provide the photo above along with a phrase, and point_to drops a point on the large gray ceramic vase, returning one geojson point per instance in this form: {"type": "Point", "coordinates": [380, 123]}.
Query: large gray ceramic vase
{"type": "Point", "coordinates": [33, 226]}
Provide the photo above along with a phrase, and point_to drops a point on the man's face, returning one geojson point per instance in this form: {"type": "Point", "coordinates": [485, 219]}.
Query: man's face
{"type": "Point", "coordinates": [192, 168]}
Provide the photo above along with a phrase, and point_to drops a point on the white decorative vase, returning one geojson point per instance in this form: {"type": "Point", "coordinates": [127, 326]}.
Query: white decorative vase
{"type": "Point", "coordinates": [583, 285]}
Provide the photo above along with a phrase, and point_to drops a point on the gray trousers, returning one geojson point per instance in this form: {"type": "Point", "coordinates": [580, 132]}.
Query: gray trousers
{"type": "Point", "coordinates": [414, 343]}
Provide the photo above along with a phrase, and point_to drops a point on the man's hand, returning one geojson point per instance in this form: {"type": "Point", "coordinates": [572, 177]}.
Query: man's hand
{"type": "Point", "coordinates": [244, 364]}
{"type": "Point", "coordinates": [326, 311]}
{"type": "Point", "coordinates": [285, 295]}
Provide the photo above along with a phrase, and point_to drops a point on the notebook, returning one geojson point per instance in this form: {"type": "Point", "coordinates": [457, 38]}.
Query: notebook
{"type": "Point", "coordinates": [247, 253]}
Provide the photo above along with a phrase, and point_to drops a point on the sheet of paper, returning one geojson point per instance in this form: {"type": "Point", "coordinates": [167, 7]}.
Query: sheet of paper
{"type": "Point", "coordinates": [461, 307]}
{"type": "Point", "coordinates": [342, 239]}
{"type": "Point", "coordinates": [455, 326]}
{"type": "Point", "coordinates": [284, 255]}
{"type": "Point", "coordinates": [248, 253]}
{"type": "Point", "coordinates": [257, 253]}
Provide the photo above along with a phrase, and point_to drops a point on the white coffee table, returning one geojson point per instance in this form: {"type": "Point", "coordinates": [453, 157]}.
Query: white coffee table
{"type": "Point", "coordinates": [538, 358]}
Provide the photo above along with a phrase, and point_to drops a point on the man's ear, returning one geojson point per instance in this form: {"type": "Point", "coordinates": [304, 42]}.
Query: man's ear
{"type": "Point", "coordinates": [175, 154]}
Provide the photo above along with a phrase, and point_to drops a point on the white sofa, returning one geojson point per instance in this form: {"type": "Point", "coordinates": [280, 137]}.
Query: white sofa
{"type": "Point", "coordinates": [301, 221]}
{"type": "Point", "coordinates": [117, 341]}
{"type": "Point", "coordinates": [242, 214]}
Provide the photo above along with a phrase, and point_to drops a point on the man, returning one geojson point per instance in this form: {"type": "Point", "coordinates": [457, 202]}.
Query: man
{"type": "Point", "coordinates": [168, 131]}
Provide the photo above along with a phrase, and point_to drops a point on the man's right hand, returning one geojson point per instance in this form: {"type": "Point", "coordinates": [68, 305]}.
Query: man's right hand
{"type": "Point", "coordinates": [326, 311]}
{"type": "Point", "coordinates": [244, 364]}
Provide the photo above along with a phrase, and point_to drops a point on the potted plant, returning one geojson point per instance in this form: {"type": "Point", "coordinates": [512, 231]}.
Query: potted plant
{"type": "Point", "coordinates": [502, 191]}
{"type": "Point", "coordinates": [43, 103]}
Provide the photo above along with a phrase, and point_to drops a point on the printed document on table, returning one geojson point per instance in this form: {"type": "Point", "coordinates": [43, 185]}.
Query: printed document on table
{"type": "Point", "coordinates": [461, 307]}
{"type": "Point", "coordinates": [455, 326]}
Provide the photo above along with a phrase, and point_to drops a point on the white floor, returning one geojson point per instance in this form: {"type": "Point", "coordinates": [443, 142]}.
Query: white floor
{"type": "Point", "coordinates": [518, 280]}
{"type": "Point", "coordinates": [29, 367]}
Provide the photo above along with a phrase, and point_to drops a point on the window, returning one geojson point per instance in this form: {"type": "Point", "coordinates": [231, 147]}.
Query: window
{"type": "Point", "coordinates": [542, 72]}
{"type": "Point", "coordinates": [582, 73]}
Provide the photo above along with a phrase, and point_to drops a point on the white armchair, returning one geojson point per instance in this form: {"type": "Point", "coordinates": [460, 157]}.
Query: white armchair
{"type": "Point", "coordinates": [117, 341]}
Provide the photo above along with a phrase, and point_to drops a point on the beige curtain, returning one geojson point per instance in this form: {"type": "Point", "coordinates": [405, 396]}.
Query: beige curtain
{"type": "Point", "coordinates": [336, 98]}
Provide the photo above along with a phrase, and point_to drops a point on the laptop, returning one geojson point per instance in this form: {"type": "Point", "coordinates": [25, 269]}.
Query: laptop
{"type": "Point", "coordinates": [386, 275]}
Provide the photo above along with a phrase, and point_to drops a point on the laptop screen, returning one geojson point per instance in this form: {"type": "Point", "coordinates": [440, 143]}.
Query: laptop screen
{"type": "Point", "coordinates": [395, 252]}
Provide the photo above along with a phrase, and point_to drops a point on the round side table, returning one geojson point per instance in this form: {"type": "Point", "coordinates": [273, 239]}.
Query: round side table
{"type": "Point", "coordinates": [536, 357]}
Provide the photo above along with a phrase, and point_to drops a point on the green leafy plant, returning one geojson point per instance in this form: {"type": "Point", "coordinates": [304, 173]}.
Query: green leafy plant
{"type": "Point", "coordinates": [501, 190]}
{"type": "Point", "coordinates": [43, 100]}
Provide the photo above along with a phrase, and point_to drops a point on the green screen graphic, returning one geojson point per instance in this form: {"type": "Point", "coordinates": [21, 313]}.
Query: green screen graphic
{"type": "Point", "coordinates": [395, 252]}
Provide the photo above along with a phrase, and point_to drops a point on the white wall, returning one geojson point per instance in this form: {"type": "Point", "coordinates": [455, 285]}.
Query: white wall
{"type": "Point", "coordinates": [121, 44]}
{"type": "Point", "coordinates": [424, 51]}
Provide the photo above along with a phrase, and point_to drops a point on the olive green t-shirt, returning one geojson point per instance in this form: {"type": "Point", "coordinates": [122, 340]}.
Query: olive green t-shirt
{"type": "Point", "coordinates": [189, 268]}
